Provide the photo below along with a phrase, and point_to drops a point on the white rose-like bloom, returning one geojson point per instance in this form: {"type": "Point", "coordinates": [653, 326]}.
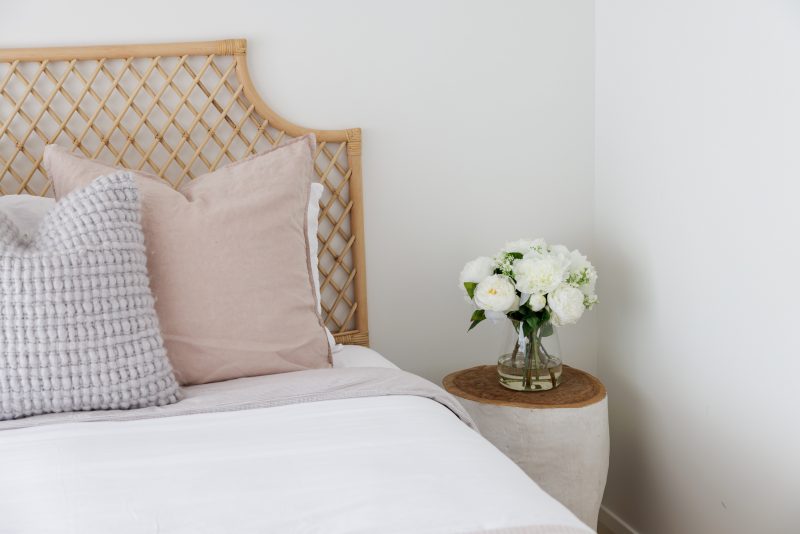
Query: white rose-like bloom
{"type": "Point", "coordinates": [562, 255]}
{"type": "Point", "coordinates": [559, 250]}
{"type": "Point", "coordinates": [539, 244]}
{"type": "Point", "coordinates": [496, 294]}
{"type": "Point", "coordinates": [583, 272]}
{"type": "Point", "coordinates": [566, 305]}
{"type": "Point", "coordinates": [537, 302]}
{"type": "Point", "coordinates": [526, 246]}
{"type": "Point", "coordinates": [496, 316]}
{"type": "Point", "coordinates": [523, 246]}
{"type": "Point", "coordinates": [577, 261]}
{"type": "Point", "coordinates": [539, 276]}
{"type": "Point", "coordinates": [588, 289]}
{"type": "Point", "coordinates": [475, 271]}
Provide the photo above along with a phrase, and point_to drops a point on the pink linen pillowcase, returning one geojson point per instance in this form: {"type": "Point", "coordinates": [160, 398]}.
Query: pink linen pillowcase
{"type": "Point", "coordinates": [229, 265]}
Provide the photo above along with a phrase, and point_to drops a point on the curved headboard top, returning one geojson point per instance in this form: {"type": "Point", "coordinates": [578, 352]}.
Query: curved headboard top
{"type": "Point", "coordinates": [178, 110]}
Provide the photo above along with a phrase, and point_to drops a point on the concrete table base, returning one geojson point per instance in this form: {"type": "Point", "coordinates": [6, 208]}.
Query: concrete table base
{"type": "Point", "coordinates": [558, 437]}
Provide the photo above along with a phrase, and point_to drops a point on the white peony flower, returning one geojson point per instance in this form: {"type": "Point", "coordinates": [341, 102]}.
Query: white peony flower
{"type": "Point", "coordinates": [559, 251]}
{"type": "Point", "coordinates": [539, 245]}
{"type": "Point", "coordinates": [496, 316]}
{"type": "Point", "coordinates": [566, 305]}
{"type": "Point", "coordinates": [525, 246]}
{"type": "Point", "coordinates": [539, 276]}
{"type": "Point", "coordinates": [496, 293]}
{"type": "Point", "coordinates": [476, 271]}
{"type": "Point", "coordinates": [582, 273]}
{"type": "Point", "coordinates": [537, 302]}
{"type": "Point", "coordinates": [588, 289]}
{"type": "Point", "coordinates": [577, 261]}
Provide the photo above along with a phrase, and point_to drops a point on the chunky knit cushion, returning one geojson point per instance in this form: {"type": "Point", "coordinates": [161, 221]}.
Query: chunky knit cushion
{"type": "Point", "coordinates": [78, 330]}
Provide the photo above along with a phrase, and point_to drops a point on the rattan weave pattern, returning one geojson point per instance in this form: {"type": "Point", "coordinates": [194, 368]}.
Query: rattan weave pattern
{"type": "Point", "coordinates": [177, 110]}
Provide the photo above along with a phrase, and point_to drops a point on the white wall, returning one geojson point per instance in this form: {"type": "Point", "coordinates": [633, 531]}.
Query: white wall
{"type": "Point", "coordinates": [478, 128]}
{"type": "Point", "coordinates": [477, 119]}
{"type": "Point", "coordinates": [698, 178]}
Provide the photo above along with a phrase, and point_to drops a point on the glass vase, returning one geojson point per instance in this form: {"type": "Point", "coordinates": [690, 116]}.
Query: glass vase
{"type": "Point", "coordinates": [534, 363]}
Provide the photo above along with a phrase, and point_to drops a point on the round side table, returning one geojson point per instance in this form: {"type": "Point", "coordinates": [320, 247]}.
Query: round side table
{"type": "Point", "coordinates": [558, 437]}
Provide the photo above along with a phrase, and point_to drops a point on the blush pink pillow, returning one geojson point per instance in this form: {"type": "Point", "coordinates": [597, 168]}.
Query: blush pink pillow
{"type": "Point", "coordinates": [228, 261]}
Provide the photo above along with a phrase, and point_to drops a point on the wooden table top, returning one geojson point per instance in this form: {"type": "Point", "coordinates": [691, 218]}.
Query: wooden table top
{"type": "Point", "coordinates": [480, 384]}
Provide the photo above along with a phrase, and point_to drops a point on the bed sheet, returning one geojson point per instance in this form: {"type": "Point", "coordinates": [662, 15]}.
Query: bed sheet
{"type": "Point", "coordinates": [389, 464]}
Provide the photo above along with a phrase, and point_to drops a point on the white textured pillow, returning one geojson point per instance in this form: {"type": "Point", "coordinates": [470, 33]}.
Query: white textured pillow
{"type": "Point", "coordinates": [78, 329]}
{"type": "Point", "coordinates": [26, 211]}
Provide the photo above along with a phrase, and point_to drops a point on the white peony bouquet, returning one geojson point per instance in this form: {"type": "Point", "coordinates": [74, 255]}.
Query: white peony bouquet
{"type": "Point", "coordinates": [531, 283]}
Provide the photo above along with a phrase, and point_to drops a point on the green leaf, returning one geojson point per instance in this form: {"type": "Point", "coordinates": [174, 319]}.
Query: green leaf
{"type": "Point", "coordinates": [547, 329]}
{"type": "Point", "coordinates": [477, 317]}
{"type": "Point", "coordinates": [516, 255]}
{"type": "Point", "coordinates": [544, 316]}
{"type": "Point", "coordinates": [526, 329]}
{"type": "Point", "coordinates": [473, 324]}
{"type": "Point", "coordinates": [521, 314]}
{"type": "Point", "coordinates": [470, 287]}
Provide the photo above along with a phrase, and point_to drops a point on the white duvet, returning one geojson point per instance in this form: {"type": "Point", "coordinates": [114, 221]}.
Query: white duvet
{"type": "Point", "coordinates": [376, 464]}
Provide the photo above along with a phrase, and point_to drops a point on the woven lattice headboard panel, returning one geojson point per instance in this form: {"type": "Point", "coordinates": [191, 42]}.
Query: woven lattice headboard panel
{"type": "Point", "coordinates": [177, 110]}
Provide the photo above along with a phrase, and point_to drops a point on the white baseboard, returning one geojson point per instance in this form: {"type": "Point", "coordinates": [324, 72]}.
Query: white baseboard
{"type": "Point", "coordinates": [614, 523]}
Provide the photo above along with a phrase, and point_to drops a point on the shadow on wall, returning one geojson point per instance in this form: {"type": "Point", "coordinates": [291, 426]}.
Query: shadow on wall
{"type": "Point", "coordinates": [621, 288]}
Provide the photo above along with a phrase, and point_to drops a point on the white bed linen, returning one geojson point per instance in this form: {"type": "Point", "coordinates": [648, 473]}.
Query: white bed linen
{"type": "Point", "coordinates": [357, 356]}
{"type": "Point", "coordinates": [377, 464]}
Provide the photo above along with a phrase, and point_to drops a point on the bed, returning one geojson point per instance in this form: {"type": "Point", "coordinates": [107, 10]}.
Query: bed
{"type": "Point", "coordinates": [362, 447]}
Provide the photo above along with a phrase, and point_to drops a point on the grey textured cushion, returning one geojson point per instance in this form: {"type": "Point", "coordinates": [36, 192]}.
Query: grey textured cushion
{"type": "Point", "coordinates": [78, 330]}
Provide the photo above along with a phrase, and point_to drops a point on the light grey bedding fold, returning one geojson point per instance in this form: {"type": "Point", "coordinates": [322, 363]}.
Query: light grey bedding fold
{"type": "Point", "coordinates": [272, 390]}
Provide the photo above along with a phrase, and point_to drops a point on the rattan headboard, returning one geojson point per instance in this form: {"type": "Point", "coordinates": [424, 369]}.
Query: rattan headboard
{"type": "Point", "coordinates": [177, 110]}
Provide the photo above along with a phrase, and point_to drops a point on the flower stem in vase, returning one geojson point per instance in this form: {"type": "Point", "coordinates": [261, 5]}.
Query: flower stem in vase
{"type": "Point", "coordinates": [553, 378]}
{"type": "Point", "coordinates": [515, 351]}
{"type": "Point", "coordinates": [531, 362]}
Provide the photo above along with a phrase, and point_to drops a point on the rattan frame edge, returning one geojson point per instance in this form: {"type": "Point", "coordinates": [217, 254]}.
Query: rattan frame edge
{"type": "Point", "coordinates": [225, 47]}
{"type": "Point", "coordinates": [238, 49]}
